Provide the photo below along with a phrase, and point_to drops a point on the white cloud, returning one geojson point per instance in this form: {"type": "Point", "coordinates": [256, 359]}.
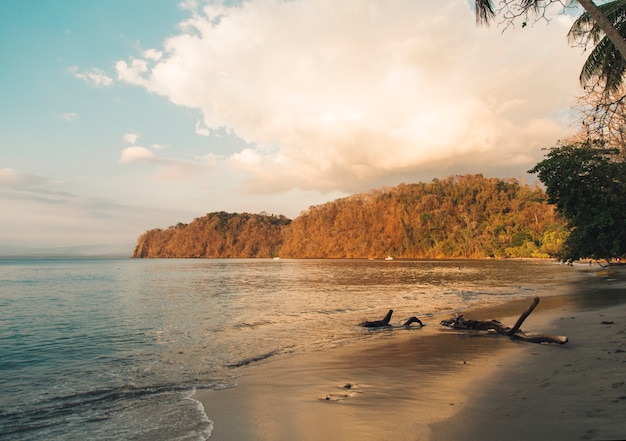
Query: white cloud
{"type": "Point", "coordinates": [94, 77]}
{"type": "Point", "coordinates": [337, 95]}
{"type": "Point", "coordinates": [153, 54]}
{"type": "Point", "coordinates": [137, 155]}
{"type": "Point", "coordinates": [167, 168]}
{"type": "Point", "coordinates": [202, 130]}
{"type": "Point", "coordinates": [131, 138]}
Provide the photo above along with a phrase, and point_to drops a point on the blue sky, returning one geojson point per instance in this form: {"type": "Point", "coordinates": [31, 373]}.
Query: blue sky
{"type": "Point", "coordinates": [120, 116]}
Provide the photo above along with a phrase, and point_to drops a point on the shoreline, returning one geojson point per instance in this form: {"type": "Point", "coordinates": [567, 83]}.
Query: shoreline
{"type": "Point", "coordinates": [437, 384]}
{"type": "Point", "coordinates": [576, 391]}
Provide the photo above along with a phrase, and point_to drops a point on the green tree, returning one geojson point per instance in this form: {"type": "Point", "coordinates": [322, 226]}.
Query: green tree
{"type": "Point", "coordinates": [553, 239]}
{"type": "Point", "coordinates": [587, 182]}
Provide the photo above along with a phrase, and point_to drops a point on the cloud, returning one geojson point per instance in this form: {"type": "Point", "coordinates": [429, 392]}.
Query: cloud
{"type": "Point", "coordinates": [69, 117]}
{"type": "Point", "coordinates": [93, 77]}
{"type": "Point", "coordinates": [340, 95]}
{"type": "Point", "coordinates": [137, 155]}
{"type": "Point", "coordinates": [11, 178]}
{"type": "Point", "coordinates": [38, 211]}
{"type": "Point", "coordinates": [168, 169]}
{"type": "Point", "coordinates": [153, 54]}
{"type": "Point", "coordinates": [16, 185]}
{"type": "Point", "coordinates": [131, 138]}
{"type": "Point", "coordinates": [202, 130]}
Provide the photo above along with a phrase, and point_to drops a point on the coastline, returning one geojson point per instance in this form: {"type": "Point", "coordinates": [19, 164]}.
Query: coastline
{"type": "Point", "coordinates": [438, 384]}
{"type": "Point", "coordinates": [577, 391]}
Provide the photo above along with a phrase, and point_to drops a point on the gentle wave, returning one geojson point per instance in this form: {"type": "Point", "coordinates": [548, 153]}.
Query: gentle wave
{"type": "Point", "coordinates": [249, 360]}
{"type": "Point", "coordinates": [112, 413]}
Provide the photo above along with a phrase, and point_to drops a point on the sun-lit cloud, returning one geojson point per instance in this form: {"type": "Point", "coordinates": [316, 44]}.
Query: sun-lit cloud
{"type": "Point", "coordinates": [94, 77]}
{"type": "Point", "coordinates": [334, 95]}
{"type": "Point", "coordinates": [137, 155]}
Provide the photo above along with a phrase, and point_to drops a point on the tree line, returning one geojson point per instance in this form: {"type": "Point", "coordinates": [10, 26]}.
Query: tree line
{"type": "Point", "coordinates": [458, 217]}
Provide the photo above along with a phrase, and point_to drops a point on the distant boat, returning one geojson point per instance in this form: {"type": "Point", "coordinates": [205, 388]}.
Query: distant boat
{"type": "Point", "coordinates": [388, 258]}
{"type": "Point", "coordinates": [276, 258]}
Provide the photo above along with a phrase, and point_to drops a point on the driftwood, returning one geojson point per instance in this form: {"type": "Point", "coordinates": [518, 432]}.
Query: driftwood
{"type": "Point", "coordinates": [378, 323]}
{"type": "Point", "coordinates": [384, 323]}
{"type": "Point", "coordinates": [412, 320]}
{"type": "Point", "coordinates": [515, 332]}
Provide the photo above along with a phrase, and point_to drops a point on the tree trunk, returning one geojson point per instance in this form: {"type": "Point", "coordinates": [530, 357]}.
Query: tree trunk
{"type": "Point", "coordinates": [607, 27]}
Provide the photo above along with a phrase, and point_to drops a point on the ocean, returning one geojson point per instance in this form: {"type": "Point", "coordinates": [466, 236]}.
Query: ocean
{"type": "Point", "coordinates": [115, 349]}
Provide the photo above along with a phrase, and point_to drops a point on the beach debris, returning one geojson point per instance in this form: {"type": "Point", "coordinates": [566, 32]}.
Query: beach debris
{"type": "Point", "coordinates": [346, 391]}
{"type": "Point", "coordinates": [378, 323]}
{"type": "Point", "coordinates": [384, 323]}
{"type": "Point", "coordinates": [412, 320]}
{"type": "Point", "coordinates": [459, 322]}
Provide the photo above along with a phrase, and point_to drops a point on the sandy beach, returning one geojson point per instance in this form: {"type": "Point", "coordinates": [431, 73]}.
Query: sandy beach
{"type": "Point", "coordinates": [439, 384]}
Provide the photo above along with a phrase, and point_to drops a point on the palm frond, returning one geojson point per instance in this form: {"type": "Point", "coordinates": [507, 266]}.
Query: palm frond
{"type": "Point", "coordinates": [484, 12]}
{"type": "Point", "coordinates": [526, 5]}
{"type": "Point", "coordinates": [605, 64]}
{"type": "Point", "coordinates": [585, 29]}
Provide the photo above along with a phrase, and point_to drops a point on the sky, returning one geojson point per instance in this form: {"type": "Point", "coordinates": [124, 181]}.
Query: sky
{"type": "Point", "coordinates": [121, 116]}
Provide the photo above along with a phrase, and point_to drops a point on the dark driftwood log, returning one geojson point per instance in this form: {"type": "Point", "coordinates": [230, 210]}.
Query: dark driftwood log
{"type": "Point", "coordinates": [412, 320]}
{"type": "Point", "coordinates": [384, 323]}
{"type": "Point", "coordinates": [378, 323]}
{"type": "Point", "coordinates": [515, 332]}
{"type": "Point", "coordinates": [459, 322]}
{"type": "Point", "coordinates": [540, 338]}
{"type": "Point", "coordinates": [523, 317]}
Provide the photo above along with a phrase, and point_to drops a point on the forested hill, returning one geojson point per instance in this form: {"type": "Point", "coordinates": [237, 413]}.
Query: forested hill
{"type": "Point", "coordinates": [216, 235]}
{"type": "Point", "coordinates": [462, 216]}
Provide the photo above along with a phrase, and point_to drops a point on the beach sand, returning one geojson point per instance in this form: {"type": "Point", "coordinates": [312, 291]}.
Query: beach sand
{"type": "Point", "coordinates": [439, 384]}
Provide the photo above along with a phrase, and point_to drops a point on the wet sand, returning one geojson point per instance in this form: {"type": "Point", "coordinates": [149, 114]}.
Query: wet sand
{"type": "Point", "coordinates": [438, 384]}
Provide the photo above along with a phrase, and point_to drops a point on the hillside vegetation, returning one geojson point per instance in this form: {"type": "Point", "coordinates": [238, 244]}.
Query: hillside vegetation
{"type": "Point", "coordinates": [463, 216]}
{"type": "Point", "coordinates": [216, 235]}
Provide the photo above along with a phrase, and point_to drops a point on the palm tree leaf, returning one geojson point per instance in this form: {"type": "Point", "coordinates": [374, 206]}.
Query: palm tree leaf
{"type": "Point", "coordinates": [585, 29]}
{"type": "Point", "coordinates": [484, 12]}
{"type": "Point", "coordinates": [605, 63]}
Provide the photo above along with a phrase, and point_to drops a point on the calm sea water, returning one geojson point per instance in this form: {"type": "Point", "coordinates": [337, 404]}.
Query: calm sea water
{"type": "Point", "coordinates": [116, 348]}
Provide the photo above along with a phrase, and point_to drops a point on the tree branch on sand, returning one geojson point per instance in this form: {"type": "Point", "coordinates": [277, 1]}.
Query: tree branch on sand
{"type": "Point", "coordinates": [515, 332]}
{"type": "Point", "coordinates": [384, 323]}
